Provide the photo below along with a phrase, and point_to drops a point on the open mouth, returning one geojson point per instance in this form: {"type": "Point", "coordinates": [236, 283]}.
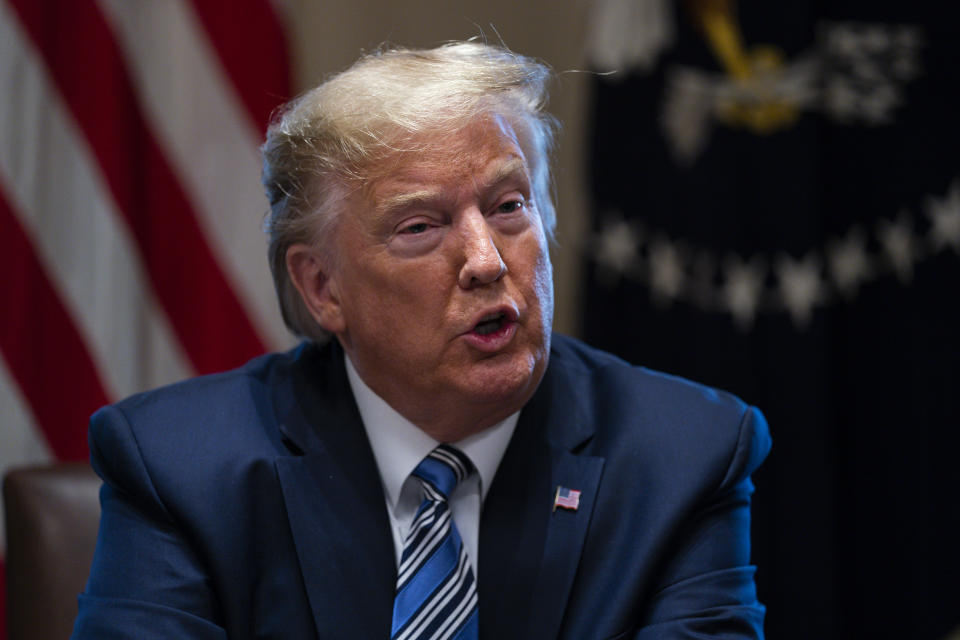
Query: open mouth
{"type": "Point", "coordinates": [490, 324]}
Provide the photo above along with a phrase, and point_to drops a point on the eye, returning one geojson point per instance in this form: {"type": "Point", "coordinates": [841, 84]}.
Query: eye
{"type": "Point", "coordinates": [415, 229]}
{"type": "Point", "coordinates": [510, 206]}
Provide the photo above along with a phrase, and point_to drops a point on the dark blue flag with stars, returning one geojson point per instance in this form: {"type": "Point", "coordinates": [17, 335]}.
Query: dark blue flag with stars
{"type": "Point", "coordinates": [776, 197]}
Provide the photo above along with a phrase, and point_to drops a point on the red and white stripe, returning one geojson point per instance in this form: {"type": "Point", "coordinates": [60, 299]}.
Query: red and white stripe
{"type": "Point", "coordinates": [130, 204]}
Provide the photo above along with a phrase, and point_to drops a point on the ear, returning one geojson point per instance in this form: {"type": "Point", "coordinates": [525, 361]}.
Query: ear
{"type": "Point", "coordinates": [317, 286]}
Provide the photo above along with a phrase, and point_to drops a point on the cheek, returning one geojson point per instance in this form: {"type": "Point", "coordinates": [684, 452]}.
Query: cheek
{"type": "Point", "coordinates": [543, 284]}
{"type": "Point", "coordinates": [540, 285]}
{"type": "Point", "coordinates": [408, 295]}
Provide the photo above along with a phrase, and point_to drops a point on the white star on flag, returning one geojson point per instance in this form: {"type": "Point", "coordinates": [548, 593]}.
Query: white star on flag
{"type": "Point", "coordinates": [876, 38]}
{"type": "Point", "coordinates": [842, 41]}
{"type": "Point", "coordinates": [898, 245]}
{"type": "Point", "coordinates": [848, 261]}
{"type": "Point", "coordinates": [800, 286]}
{"type": "Point", "coordinates": [743, 283]}
{"type": "Point", "coordinates": [841, 99]}
{"type": "Point", "coordinates": [616, 248]}
{"type": "Point", "coordinates": [666, 270]}
{"type": "Point", "coordinates": [877, 106]}
{"type": "Point", "coordinates": [944, 217]}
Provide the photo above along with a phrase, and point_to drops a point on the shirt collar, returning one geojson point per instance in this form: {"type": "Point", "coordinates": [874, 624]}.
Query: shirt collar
{"type": "Point", "coordinates": [399, 445]}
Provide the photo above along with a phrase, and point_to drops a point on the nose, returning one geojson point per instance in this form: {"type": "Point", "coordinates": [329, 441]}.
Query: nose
{"type": "Point", "coordinates": [482, 263]}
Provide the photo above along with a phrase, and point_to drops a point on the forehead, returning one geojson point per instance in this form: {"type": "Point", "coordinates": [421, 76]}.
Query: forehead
{"type": "Point", "coordinates": [483, 152]}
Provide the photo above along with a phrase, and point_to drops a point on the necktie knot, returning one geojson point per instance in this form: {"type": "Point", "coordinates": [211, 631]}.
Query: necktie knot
{"type": "Point", "coordinates": [442, 470]}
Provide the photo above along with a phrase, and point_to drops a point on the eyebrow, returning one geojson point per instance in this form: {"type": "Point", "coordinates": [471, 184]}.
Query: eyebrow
{"type": "Point", "coordinates": [509, 169]}
{"type": "Point", "coordinates": [406, 200]}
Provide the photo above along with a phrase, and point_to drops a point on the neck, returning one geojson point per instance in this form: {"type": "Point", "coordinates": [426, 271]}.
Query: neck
{"type": "Point", "coordinates": [445, 417]}
{"type": "Point", "coordinates": [455, 430]}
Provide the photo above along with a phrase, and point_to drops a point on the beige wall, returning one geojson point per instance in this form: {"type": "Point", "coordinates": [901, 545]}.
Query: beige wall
{"type": "Point", "coordinates": [330, 34]}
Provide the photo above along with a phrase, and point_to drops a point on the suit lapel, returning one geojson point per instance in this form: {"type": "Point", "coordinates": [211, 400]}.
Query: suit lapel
{"type": "Point", "coordinates": [335, 501]}
{"type": "Point", "coordinates": [566, 532]}
{"type": "Point", "coordinates": [529, 553]}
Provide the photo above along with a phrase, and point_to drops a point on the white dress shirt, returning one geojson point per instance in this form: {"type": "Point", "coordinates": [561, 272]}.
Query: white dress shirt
{"type": "Point", "coordinates": [399, 446]}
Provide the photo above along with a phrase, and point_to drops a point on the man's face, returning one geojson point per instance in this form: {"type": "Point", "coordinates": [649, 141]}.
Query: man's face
{"type": "Point", "coordinates": [444, 282]}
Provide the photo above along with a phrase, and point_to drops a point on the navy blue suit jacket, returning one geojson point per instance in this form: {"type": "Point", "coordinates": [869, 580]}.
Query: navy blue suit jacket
{"type": "Point", "coordinates": [248, 505]}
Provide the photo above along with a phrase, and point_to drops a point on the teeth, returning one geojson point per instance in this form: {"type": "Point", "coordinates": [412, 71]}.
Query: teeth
{"type": "Point", "coordinates": [489, 323]}
{"type": "Point", "coordinates": [487, 328]}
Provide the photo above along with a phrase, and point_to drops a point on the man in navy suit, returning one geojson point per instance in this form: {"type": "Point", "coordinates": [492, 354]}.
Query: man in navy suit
{"type": "Point", "coordinates": [295, 498]}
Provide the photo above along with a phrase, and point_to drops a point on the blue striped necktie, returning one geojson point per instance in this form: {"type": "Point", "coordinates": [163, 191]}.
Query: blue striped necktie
{"type": "Point", "coordinates": [436, 595]}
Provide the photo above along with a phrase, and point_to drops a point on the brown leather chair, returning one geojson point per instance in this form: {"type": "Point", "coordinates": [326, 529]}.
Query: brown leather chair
{"type": "Point", "coordinates": [52, 515]}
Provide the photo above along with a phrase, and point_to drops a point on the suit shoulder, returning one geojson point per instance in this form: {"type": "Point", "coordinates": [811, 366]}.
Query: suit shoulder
{"type": "Point", "coordinates": [204, 391]}
{"type": "Point", "coordinates": [217, 416]}
{"type": "Point", "coordinates": [655, 413]}
{"type": "Point", "coordinates": [632, 384]}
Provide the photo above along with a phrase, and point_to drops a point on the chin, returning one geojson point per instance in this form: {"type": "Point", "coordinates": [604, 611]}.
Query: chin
{"type": "Point", "coordinates": [510, 382]}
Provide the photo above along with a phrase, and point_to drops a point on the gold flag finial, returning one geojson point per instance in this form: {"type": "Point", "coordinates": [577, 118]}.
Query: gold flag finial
{"type": "Point", "coordinates": [755, 105]}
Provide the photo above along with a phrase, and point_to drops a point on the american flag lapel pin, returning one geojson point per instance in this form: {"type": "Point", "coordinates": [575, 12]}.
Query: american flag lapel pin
{"type": "Point", "coordinates": [566, 499]}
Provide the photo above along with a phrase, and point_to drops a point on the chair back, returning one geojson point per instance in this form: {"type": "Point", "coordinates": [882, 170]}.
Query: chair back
{"type": "Point", "coordinates": [52, 517]}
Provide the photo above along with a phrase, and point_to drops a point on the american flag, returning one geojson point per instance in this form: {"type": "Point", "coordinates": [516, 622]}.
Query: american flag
{"type": "Point", "coordinates": [566, 499]}
{"type": "Point", "coordinates": [130, 205]}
